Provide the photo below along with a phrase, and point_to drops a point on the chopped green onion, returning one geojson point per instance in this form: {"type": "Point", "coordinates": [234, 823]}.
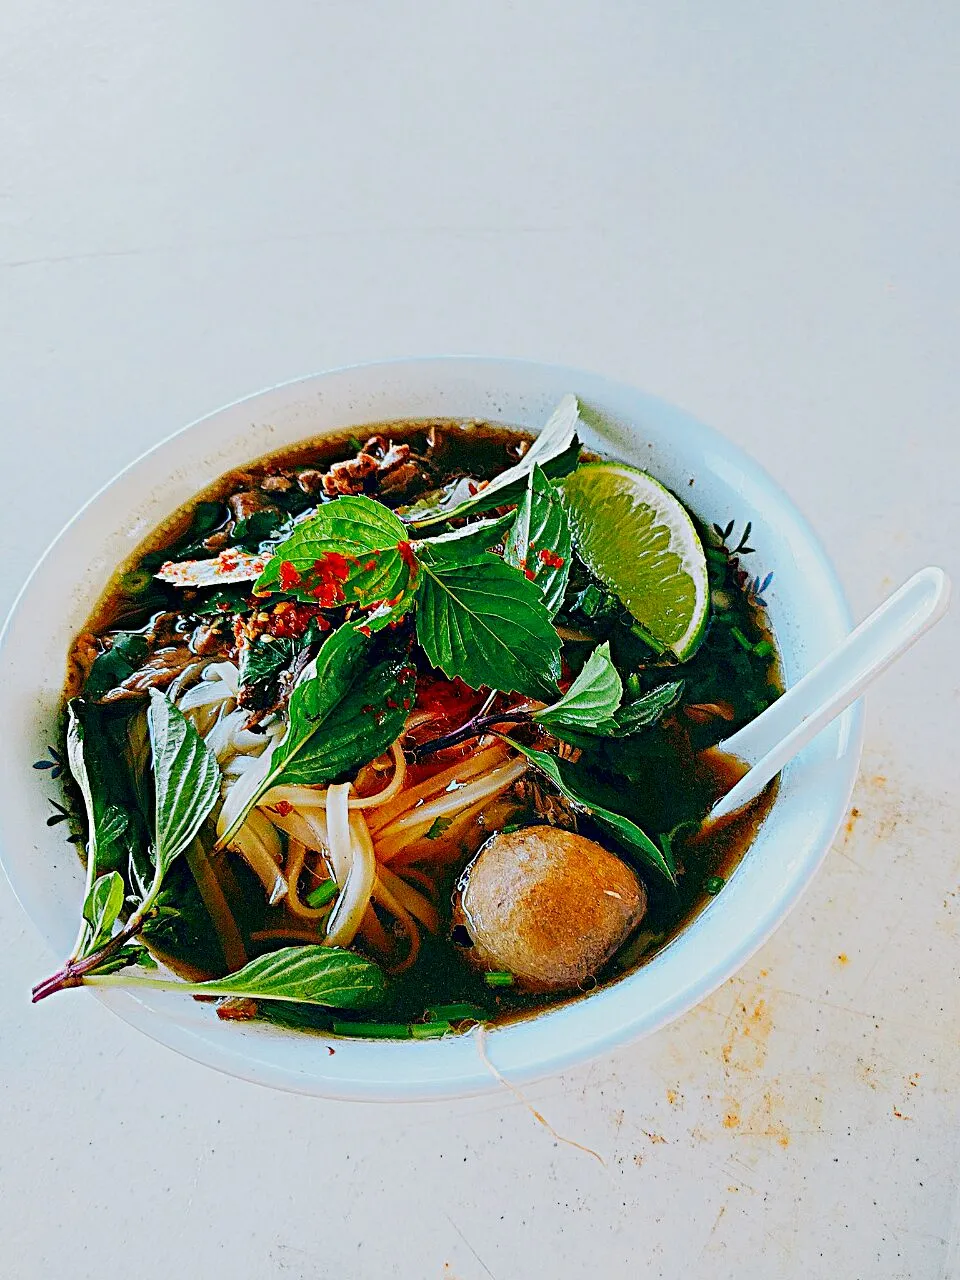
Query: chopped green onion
{"type": "Point", "coordinates": [135, 582]}
{"type": "Point", "coordinates": [713, 885]}
{"type": "Point", "coordinates": [430, 1030]}
{"type": "Point", "coordinates": [510, 828]}
{"type": "Point", "coordinates": [374, 1030]}
{"type": "Point", "coordinates": [643, 634]}
{"type": "Point", "coordinates": [498, 978]}
{"type": "Point", "coordinates": [323, 894]}
{"type": "Point", "coordinates": [355, 444]}
{"type": "Point", "coordinates": [741, 639]}
{"type": "Point", "coordinates": [763, 649]}
{"type": "Point", "coordinates": [456, 1013]}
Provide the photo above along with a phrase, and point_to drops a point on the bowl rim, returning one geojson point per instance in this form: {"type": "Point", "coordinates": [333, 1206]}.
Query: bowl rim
{"type": "Point", "coordinates": [246, 1053]}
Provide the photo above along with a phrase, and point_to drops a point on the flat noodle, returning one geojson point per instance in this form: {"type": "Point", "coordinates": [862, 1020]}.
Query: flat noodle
{"type": "Point", "coordinates": [433, 785]}
{"type": "Point", "coordinates": [418, 906]}
{"type": "Point", "coordinates": [296, 856]}
{"type": "Point", "coordinates": [357, 886]}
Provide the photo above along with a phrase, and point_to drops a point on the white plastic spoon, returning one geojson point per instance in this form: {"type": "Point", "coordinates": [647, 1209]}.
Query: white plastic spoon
{"type": "Point", "coordinates": [787, 725]}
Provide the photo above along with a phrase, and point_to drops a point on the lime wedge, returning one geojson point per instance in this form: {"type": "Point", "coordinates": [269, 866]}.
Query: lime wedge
{"type": "Point", "coordinates": [639, 540]}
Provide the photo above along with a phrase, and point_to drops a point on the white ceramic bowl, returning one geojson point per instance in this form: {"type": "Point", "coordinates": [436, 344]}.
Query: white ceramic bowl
{"type": "Point", "coordinates": [807, 610]}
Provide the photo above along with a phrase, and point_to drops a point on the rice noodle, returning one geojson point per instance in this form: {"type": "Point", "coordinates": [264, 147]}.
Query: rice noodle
{"type": "Point", "coordinates": [437, 782]}
{"type": "Point", "coordinates": [354, 899]}
{"type": "Point", "coordinates": [339, 841]}
{"type": "Point", "coordinates": [307, 797]}
{"type": "Point", "coordinates": [373, 932]}
{"type": "Point", "coordinates": [259, 845]}
{"type": "Point", "coordinates": [417, 822]}
{"type": "Point", "coordinates": [406, 922]}
{"type": "Point", "coordinates": [414, 901]}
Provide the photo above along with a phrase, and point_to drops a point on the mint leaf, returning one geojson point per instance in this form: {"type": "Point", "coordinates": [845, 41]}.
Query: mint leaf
{"type": "Point", "coordinates": [102, 906]}
{"type": "Point", "coordinates": [591, 701]}
{"type": "Point", "coordinates": [539, 543]}
{"type": "Point", "coordinates": [343, 712]}
{"type": "Point", "coordinates": [566, 778]}
{"type": "Point", "coordinates": [353, 551]}
{"type": "Point", "coordinates": [557, 439]}
{"type": "Point", "coordinates": [186, 780]}
{"type": "Point", "coordinates": [486, 623]}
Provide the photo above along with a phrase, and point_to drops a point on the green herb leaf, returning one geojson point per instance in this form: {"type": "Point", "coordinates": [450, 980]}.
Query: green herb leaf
{"type": "Point", "coordinates": [102, 906]}
{"type": "Point", "coordinates": [569, 781]}
{"type": "Point", "coordinates": [591, 701]}
{"type": "Point", "coordinates": [186, 780]}
{"type": "Point", "coordinates": [343, 713]}
{"type": "Point", "coordinates": [363, 556]}
{"type": "Point", "coordinates": [648, 708]}
{"type": "Point", "coordinates": [467, 544]}
{"type": "Point", "coordinates": [234, 599]}
{"type": "Point", "coordinates": [309, 974]}
{"type": "Point", "coordinates": [486, 623]}
{"type": "Point", "coordinates": [437, 828]}
{"type": "Point", "coordinates": [539, 543]}
{"type": "Point", "coordinates": [263, 526]}
{"type": "Point", "coordinates": [557, 440]}
{"type": "Point", "coordinates": [264, 658]}
{"type": "Point", "coordinates": [109, 669]}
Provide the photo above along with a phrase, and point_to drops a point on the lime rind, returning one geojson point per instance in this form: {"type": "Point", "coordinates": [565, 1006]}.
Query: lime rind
{"type": "Point", "coordinates": [638, 538]}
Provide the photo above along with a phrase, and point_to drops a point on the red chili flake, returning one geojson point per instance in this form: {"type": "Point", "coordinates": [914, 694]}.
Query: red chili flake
{"type": "Point", "coordinates": [406, 704]}
{"type": "Point", "coordinates": [371, 564]}
{"type": "Point", "coordinates": [289, 576]}
{"type": "Point", "coordinates": [365, 631]}
{"type": "Point", "coordinates": [226, 562]}
{"type": "Point", "coordinates": [529, 573]}
{"type": "Point", "coordinates": [552, 559]}
{"type": "Point", "coordinates": [392, 704]}
{"type": "Point", "coordinates": [471, 488]}
{"type": "Point", "coordinates": [407, 555]}
{"type": "Point", "coordinates": [367, 710]}
{"type": "Point", "coordinates": [283, 807]}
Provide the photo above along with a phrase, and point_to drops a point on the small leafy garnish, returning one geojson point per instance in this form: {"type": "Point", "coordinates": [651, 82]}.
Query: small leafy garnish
{"type": "Point", "coordinates": [261, 527]}
{"type": "Point", "coordinates": [265, 657]}
{"type": "Point", "coordinates": [592, 700]}
{"type": "Point", "coordinates": [109, 669]}
{"type": "Point", "coordinates": [437, 828]}
{"type": "Point", "coordinates": [102, 907]}
{"type": "Point", "coordinates": [234, 599]}
{"type": "Point", "coordinates": [487, 624]}
{"type": "Point", "coordinates": [648, 708]}
{"type": "Point", "coordinates": [539, 543]}
{"type": "Point", "coordinates": [353, 551]}
{"type": "Point", "coordinates": [310, 974]}
{"type": "Point", "coordinates": [473, 539]}
{"type": "Point", "coordinates": [558, 440]}
{"type": "Point", "coordinates": [566, 778]}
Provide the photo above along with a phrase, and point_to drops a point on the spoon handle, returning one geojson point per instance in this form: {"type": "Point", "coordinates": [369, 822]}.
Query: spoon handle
{"type": "Point", "coordinates": [788, 724]}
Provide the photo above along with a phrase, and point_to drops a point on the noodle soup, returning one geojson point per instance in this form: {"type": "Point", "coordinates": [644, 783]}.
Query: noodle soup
{"type": "Point", "coordinates": [394, 734]}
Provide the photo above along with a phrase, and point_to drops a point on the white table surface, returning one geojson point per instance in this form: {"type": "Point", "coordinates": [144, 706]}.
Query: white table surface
{"type": "Point", "coordinates": [750, 210]}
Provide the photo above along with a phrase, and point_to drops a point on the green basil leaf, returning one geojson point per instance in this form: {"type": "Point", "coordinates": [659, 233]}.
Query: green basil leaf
{"type": "Point", "coordinates": [343, 713]}
{"type": "Point", "coordinates": [186, 780]}
{"type": "Point", "coordinates": [126, 653]}
{"type": "Point", "coordinates": [107, 826]}
{"type": "Point", "coordinates": [648, 708]}
{"type": "Point", "coordinates": [230, 600]}
{"type": "Point", "coordinates": [308, 975]}
{"type": "Point", "coordinates": [591, 701]}
{"type": "Point", "coordinates": [486, 623]}
{"type": "Point", "coordinates": [353, 551]}
{"type": "Point", "coordinates": [465, 545]}
{"type": "Point", "coordinates": [565, 777]}
{"type": "Point", "coordinates": [539, 543]}
{"type": "Point", "coordinates": [264, 659]}
{"type": "Point", "coordinates": [258, 528]}
{"type": "Point", "coordinates": [103, 905]}
{"type": "Point", "coordinates": [558, 438]}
